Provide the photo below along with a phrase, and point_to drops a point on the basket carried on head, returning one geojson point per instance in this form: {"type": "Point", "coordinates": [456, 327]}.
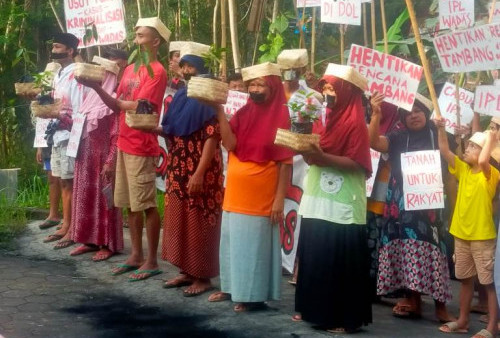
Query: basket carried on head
{"type": "Point", "coordinates": [46, 111]}
{"type": "Point", "coordinates": [27, 89]}
{"type": "Point", "coordinates": [89, 72]}
{"type": "Point", "coordinates": [141, 121]}
{"type": "Point", "coordinates": [297, 142]}
{"type": "Point", "coordinates": [207, 89]}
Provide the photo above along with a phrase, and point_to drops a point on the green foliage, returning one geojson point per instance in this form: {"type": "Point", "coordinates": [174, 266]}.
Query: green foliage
{"type": "Point", "coordinates": [304, 111]}
{"type": "Point", "coordinates": [274, 40]}
{"type": "Point", "coordinates": [90, 33]}
{"type": "Point", "coordinates": [140, 58]}
{"type": "Point", "coordinates": [394, 34]}
{"type": "Point", "coordinates": [213, 58]}
{"type": "Point", "coordinates": [44, 81]}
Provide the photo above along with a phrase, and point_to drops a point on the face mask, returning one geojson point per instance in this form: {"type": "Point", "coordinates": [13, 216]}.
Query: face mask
{"type": "Point", "coordinates": [330, 100]}
{"type": "Point", "coordinates": [290, 75]}
{"type": "Point", "coordinates": [188, 76]}
{"type": "Point", "coordinates": [58, 56]}
{"type": "Point", "coordinates": [258, 97]}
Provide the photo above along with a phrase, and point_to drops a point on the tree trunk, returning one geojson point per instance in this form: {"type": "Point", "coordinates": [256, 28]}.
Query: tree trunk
{"type": "Point", "coordinates": [190, 21]}
{"type": "Point", "coordinates": [223, 40]}
{"type": "Point", "coordinates": [234, 36]}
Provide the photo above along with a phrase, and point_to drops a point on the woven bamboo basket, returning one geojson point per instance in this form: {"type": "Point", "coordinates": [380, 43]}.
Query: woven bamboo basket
{"type": "Point", "coordinates": [46, 111]}
{"type": "Point", "coordinates": [297, 142]}
{"type": "Point", "coordinates": [27, 89]}
{"type": "Point", "coordinates": [90, 72]}
{"type": "Point", "coordinates": [207, 90]}
{"type": "Point", "coordinates": [141, 121]}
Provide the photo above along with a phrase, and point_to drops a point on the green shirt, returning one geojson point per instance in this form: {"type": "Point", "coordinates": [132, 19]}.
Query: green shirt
{"type": "Point", "coordinates": [334, 195]}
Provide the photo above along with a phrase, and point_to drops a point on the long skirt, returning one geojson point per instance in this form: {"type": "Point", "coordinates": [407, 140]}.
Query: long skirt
{"type": "Point", "coordinates": [333, 283]}
{"type": "Point", "coordinates": [250, 258]}
{"type": "Point", "coordinates": [92, 221]}
{"type": "Point", "coordinates": [190, 242]}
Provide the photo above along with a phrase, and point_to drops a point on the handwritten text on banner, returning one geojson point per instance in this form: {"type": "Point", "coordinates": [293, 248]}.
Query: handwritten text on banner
{"type": "Point", "coordinates": [76, 134]}
{"type": "Point", "coordinates": [345, 12]}
{"type": "Point", "coordinates": [456, 13]}
{"type": "Point", "coordinates": [487, 100]}
{"type": "Point", "coordinates": [40, 128]}
{"type": "Point", "coordinates": [396, 78]}
{"type": "Point", "coordinates": [235, 100]}
{"type": "Point", "coordinates": [448, 106]}
{"type": "Point", "coordinates": [375, 156]}
{"type": "Point", "coordinates": [422, 180]}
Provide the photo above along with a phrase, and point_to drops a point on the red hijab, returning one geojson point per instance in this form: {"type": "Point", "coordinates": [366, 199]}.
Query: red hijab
{"type": "Point", "coordinates": [255, 126]}
{"type": "Point", "coordinates": [345, 132]}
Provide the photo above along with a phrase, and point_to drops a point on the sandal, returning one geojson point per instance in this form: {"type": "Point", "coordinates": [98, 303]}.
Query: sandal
{"type": "Point", "coordinates": [63, 244]}
{"type": "Point", "coordinates": [123, 268]}
{"type": "Point", "coordinates": [177, 282]}
{"type": "Point", "coordinates": [219, 296]}
{"type": "Point", "coordinates": [48, 223]}
{"type": "Point", "coordinates": [83, 249]}
{"type": "Point", "coordinates": [483, 334]}
{"type": "Point", "coordinates": [102, 255]}
{"type": "Point", "coordinates": [452, 327]}
{"type": "Point", "coordinates": [405, 311]}
{"type": "Point", "coordinates": [139, 275]}
{"type": "Point", "coordinates": [52, 238]}
{"type": "Point", "coordinates": [245, 307]}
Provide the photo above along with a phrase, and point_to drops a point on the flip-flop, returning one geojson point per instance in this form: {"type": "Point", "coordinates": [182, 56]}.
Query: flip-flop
{"type": "Point", "coordinates": [123, 268]}
{"type": "Point", "coordinates": [83, 249]}
{"type": "Point", "coordinates": [245, 307]}
{"type": "Point", "coordinates": [177, 285]}
{"type": "Point", "coordinates": [63, 244]}
{"type": "Point", "coordinates": [146, 274]}
{"type": "Point", "coordinates": [48, 224]}
{"type": "Point", "coordinates": [483, 333]}
{"type": "Point", "coordinates": [453, 328]}
{"type": "Point", "coordinates": [52, 238]}
{"type": "Point", "coordinates": [194, 294]}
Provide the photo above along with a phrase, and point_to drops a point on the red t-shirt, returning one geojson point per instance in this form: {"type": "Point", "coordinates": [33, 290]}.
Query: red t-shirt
{"type": "Point", "coordinates": [133, 87]}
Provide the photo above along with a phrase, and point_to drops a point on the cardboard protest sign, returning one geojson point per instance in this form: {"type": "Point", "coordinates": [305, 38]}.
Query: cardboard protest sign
{"type": "Point", "coordinates": [345, 12]}
{"type": "Point", "coordinates": [235, 100]}
{"type": "Point", "coordinates": [308, 3]}
{"type": "Point", "coordinates": [422, 180]}
{"type": "Point", "coordinates": [456, 13]}
{"type": "Point", "coordinates": [487, 100]}
{"type": "Point", "coordinates": [394, 77]}
{"type": "Point", "coordinates": [448, 106]}
{"type": "Point", "coordinates": [470, 50]}
{"type": "Point", "coordinates": [107, 15]}
{"type": "Point", "coordinates": [76, 134]}
{"type": "Point", "coordinates": [40, 128]}
{"type": "Point", "coordinates": [375, 156]}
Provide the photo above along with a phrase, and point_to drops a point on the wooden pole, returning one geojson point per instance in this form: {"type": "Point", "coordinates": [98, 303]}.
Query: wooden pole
{"type": "Point", "coordinates": [374, 27]}
{"type": "Point", "coordinates": [139, 8]}
{"type": "Point", "coordinates": [223, 40]}
{"type": "Point", "coordinates": [59, 22]}
{"type": "Point", "coordinates": [178, 20]}
{"type": "Point", "coordinates": [214, 22]}
{"type": "Point", "coordinates": [313, 40]}
{"type": "Point", "coordinates": [302, 41]}
{"type": "Point", "coordinates": [159, 7]}
{"type": "Point", "coordinates": [365, 23]}
{"type": "Point", "coordinates": [492, 11]}
{"type": "Point", "coordinates": [384, 26]}
{"type": "Point", "coordinates": [342, 43]}
{"type": "Point", "coordinates": [423, 57]}
{"type": "Point", "coordinates": [275, 9]}
{"type": "Point", "coordinates": [234, 36]}
{"type": "Point", "coordinates": [457, 100]}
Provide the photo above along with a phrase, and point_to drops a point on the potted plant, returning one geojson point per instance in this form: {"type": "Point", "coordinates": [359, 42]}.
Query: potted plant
{"type": "Point", "coordinates": [87, 71]}
{"type": "Point", "coordinates": [45, 106]}
{"type": "Point", "coordinates": [205, 87]}
{"type": "Point", "coordinates": [304, 114]}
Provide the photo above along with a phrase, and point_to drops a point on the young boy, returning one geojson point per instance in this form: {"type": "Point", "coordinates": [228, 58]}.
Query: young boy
{"type": "Point", "coordinates": [472, 224]}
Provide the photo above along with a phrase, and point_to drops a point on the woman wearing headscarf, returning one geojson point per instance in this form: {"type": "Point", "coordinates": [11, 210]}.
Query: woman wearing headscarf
{"type": "Point", "coordinates": [97, 224]}
{"type": "Point", "coordinates": [257, 179]}
{"type": "Point", "coordinates": [412, 258]}
{"type": "Point", "coordinates": [194, 194]}
{"type": "Point", "coordinates": [333, 279]}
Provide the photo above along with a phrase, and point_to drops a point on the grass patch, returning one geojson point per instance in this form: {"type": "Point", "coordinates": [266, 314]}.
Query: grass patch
{"type": "Point", "coordinates": [13, 221]}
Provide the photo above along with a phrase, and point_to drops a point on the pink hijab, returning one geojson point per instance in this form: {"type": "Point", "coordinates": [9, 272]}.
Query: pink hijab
{"type": "Point", "coordinates": [93, 106]}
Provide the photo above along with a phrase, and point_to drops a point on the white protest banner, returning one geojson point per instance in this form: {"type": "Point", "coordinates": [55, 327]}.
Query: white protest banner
{"type": "Point", "coordinates": [76, 134]}
{"type": "Point", "coordinates": [456, 14]}
{"type": "Point", "coordinates": [448, 106]}
{"type": "Point", "coordinates": [375, 156]}
{"type": "Point", "coordinates": [107, 15]}
{"type": "Point", "coordinates": [396, 78]}
{"type": "Point", "coordinates": [470, 50]}
{"type": "Point", "coordinates": [290, 228]}
{"type": "Point", "coordinates": [235, 100]}
{"type": "Point", "coordinates": [422, 180]}
{"type": "Point", "coordinates": [496, 12]}
{"type": "Point", "coordinates": [40, 128]}
{"type": "Point", "coordinates": [487, 100]}
{"type": "Point", "coordinates": [345, 12]}
{"type": "Point", "coordinates": [308, 3]}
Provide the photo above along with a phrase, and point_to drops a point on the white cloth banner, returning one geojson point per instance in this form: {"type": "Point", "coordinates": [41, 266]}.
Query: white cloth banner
{"type": "Point", "coordinates": [422, 180]}
{"type": "Point", "coordinates": [487, 100]}
{"type": "Point", "coordinates": [448, 106]}
{"type": "Point", "coordinates": [107, 15]}
{"type": "Point", "coordinates": [40, 128]}
{"type": "Point", "coordinates": [290, 228]}
{"type": "Point", "coordinates": [345, 12]}
{"type": "Point", "coordinates": [235, 100]}
{"type": "Point", "coordinates": [470, 50]}
{"type": "Point", "coordinates": [308, 3]}
{"type": "Point", "coordinates": [456, 14]}
{"type": "Point", "coordinates": [375, 156]}
{"type": "Point", "coordinates": [394, 77]}
{"type": "Point", "coordinates": [76, 134]}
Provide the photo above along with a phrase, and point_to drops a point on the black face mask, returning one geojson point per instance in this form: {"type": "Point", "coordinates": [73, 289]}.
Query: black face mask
{"type": "Point", "coordinates": [330, 100]}
{"type": "Point", "coordinates": [258, 97]}
{"type": "Point", "coordinates": [188, 76]}
{"type": "Point", "coordinates": [58, 56]}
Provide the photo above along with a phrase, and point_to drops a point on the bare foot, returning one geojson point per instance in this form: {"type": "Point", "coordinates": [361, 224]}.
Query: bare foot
{"type": "Point", "coordinates": [219, 296]}
{"type": "Point", "coordinates": [199, 286]}
{"type": "Point", "coordinates": [180, 280]}
{"type": "Point", "coordinates": [102, 255]}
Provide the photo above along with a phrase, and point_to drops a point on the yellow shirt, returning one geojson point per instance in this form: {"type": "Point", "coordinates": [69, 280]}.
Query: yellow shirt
{"type": "Point", "coordinates": [473, 215]}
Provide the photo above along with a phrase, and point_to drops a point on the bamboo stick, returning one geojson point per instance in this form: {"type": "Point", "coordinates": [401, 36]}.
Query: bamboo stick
{"type": "Point", "coordinates": [384, 26]}
{"type": "Point", "coordinates": [139, 8]}
{"type": "Point", "coordinates": [302, 41]}
{"type": "Point", "coordinates": [159, 8]}
{"type": "Point", "coordinates": [234, 36]}
{"type": "Point", "coordinates": [275, 9]}
{"type": "Point", "coordinates": [214, 22]}
{"type": "Point", "coordinates": [457, 100]}
{"type": "Point", "coordinates": [365, 23]}
{"type": "Point", "coordinates": [223, 40]}
{"type": "Point", "coordinates": [313, 40]}
{"type": "Point", "coordinates": [423, 57]}
{"type": "Point", "coordinates": [374, 27]}
{"type": "Point", "coordinates": [342, 44]}
{"type": "Point", "coordinates": [59, 22]}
